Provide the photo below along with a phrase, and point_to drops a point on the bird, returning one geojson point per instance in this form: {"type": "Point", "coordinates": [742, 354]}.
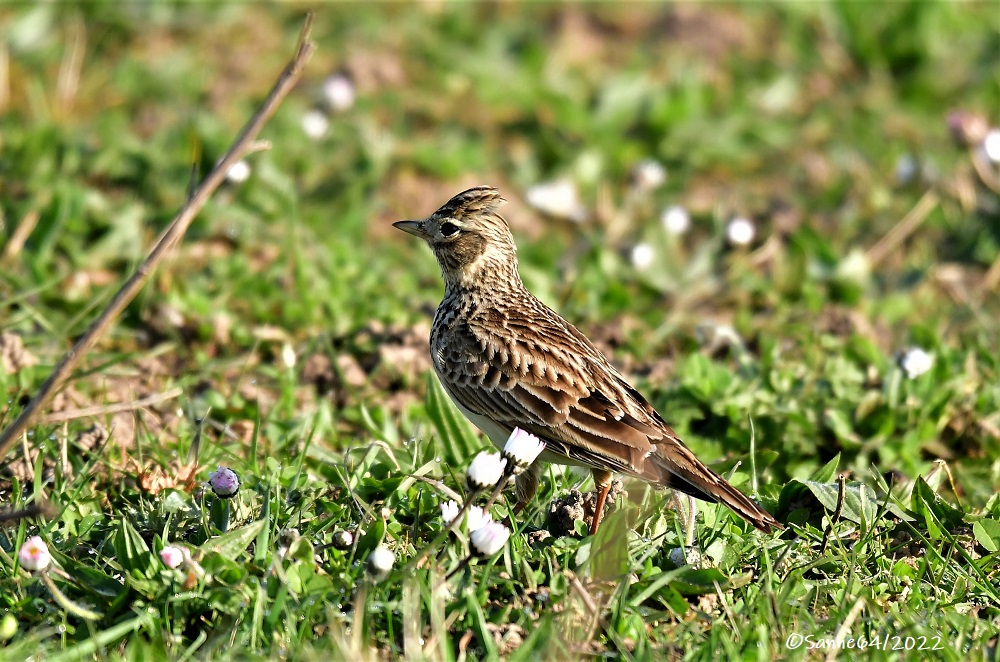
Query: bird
{"type": "Point", "coordinates": [509, 361]}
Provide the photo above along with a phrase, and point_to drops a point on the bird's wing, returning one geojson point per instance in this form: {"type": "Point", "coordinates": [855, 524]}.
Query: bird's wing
{"type": "Point", "coordinates": [544, 376]}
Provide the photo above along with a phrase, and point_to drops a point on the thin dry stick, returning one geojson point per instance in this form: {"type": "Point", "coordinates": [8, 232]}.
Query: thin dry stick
{"type": "Point", "coordinates": [903, 229]}
{"type": "Point", "coordinates": [20, 235]}
{"type": "Point", "coordinates": [244, 143]}
{"type": "Point", "coordinates": [844, 630]}
{"type": "Point", "coordinates": [117, 408]}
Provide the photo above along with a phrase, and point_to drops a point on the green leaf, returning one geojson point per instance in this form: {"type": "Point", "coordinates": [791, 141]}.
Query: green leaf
{"type": "Point", "coordinates": [232, 544]}
{"type": "Point", "coordinates": [987, 532]}
{"type": "Point", "coordinates": [926, 502]}
{"type": "Point", "coordinates": [133, 553]}
{"type": "Point", "coordinates": [859, 500]}
{"type": "Point", "coordinates": [455, 431]}
{"type": "Point", "coordinates": [700, 582]}
{"type": "Point", "coordinates": [826, 473]}
{"type": "Point", "coordinates": [371, 539]}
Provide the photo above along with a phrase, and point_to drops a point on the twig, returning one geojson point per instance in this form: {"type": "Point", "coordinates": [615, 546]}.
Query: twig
{"type": "Point", "coordinates": [903, 229]}
{"type": "Point", "coordinates": [117, 408]}
{"type": "Point", "coordinates": [844, 629]}
{"type": "Point", "coordinates": [171, 236]}
{"type": "Point", "coordinates": [842, 487]}
{"type": "Point", "coordinates": [20, 235]}
{"type": "Point", "coordinates": [40, 509]}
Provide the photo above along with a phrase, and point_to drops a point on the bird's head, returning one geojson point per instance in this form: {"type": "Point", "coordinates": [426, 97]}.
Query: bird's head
{"type": "Point", "coordinates": [471, 242]}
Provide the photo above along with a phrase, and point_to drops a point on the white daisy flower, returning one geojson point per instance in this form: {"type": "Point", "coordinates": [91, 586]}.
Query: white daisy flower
{"type": "Point", "coordinates": [675, 220]}
{"type": "Point", "coordinates": [485, 470]}
{"type": "Point", "coordinates": [476, 518]}
{"type": "Point", "coordinates": [239, 172]}
{"type": "Point", "coordinates": [339, 92]}
{"type": "Point", "coordinates": [991, 145]}
{"type": "Point", "coordinates": [642, 256]}
{"type": "Point", "coordinates": [490, 538]}
{"type": "Point", "coordinates": [649, 174]}
{"type": "Point", "coordinates": [740, 231]}
{"type": "Point", "coordinates": [380, 563]}
{"type": "Point", "coordinates": [315, 124]}
{"type": "Point", "coordinates": [449, 511]}
{"type": "Point", "coordinates": [915, 362]}
{"type": "Point", "coordinates": [522, 448]}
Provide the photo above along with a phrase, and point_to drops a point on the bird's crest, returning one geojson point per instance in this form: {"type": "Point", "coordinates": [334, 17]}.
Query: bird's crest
{"type": "Point", "coordinates": [478, 200]}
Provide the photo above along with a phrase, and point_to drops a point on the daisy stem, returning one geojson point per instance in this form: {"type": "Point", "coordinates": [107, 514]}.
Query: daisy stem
{"type": "Point", "coordinates": [507, 473]}
{"type": "Point", "coordinates": [420, 558]}
{"type": "Point", "coordinates": [66, 603]}
{"type": "Point", "coordinates": [461, 566]}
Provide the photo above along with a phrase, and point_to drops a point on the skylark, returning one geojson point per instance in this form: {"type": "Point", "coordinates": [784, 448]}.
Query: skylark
{"type": "Point", "coordinates": [507, 360]}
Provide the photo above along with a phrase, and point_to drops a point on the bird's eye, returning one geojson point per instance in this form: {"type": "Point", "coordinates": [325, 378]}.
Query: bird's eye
{"type": "Point", "coordinates": [448, 229]}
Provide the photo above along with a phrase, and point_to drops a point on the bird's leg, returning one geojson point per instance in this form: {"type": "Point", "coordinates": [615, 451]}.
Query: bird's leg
{"type": "Point", "coordinates": [526, 485]}
{"type": "Point", "coordinates": [602, 480]}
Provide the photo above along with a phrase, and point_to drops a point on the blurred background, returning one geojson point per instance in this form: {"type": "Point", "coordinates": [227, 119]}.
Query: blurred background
{"type": "Point", "coordinates": [785, 212]}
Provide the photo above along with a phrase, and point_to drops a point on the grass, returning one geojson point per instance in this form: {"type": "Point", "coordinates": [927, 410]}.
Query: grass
{"type": "Point", "coordinates": [294, 321]}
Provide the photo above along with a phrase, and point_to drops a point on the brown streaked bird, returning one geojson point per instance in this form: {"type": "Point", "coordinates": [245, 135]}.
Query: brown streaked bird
{"type": "Point", "coordinates": [507, 360]}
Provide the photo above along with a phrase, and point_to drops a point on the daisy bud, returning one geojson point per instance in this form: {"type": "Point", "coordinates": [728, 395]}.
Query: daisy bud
{"type": "Point", "coordinates": [642, 256]}
{"type": "Point", "coordinates": [649, 175]}
{"type": "Point", "coordinates": [379, 563]}
{"type": "Point", "coordinates": [172, 557]}
{"type": "Point", "coordinates": [915, 362]}
{"type": "Point", "coordinates": [675, 220]}
{"type": "Point", "coordinates": [490, 538]}
{"type": "Point", "coordinates": [476, 518]}
{"type": "Point", "coordinates": [338, 92]}
{"type": "Point", "coordinates": [34, 554]}
{"type": "Point", "coordinates": [342, 539]}
{"type": "Point", "coordinates": [740, 231]}
{"type": "Point", "coordinates": [224, 482]}
{"type": "Point", "coordinates": [315, 124]}
{"type": "Point", "coordinates": [967, 128]}
{"type": "Point", "coordinates": [522, 448]}
{"type": "Point", "coordinates": [288, 356]}
{"type": "Point", "coordinates": [485, 470]}
{"type": "Point", "coordinates": [449, 511]}
{"type": "Point", "coordinates": [239, 172]}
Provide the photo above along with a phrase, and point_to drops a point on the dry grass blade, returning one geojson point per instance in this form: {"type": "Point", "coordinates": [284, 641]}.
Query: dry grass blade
{"type": "Point", "coordinates": [903, 229]}
{"type": "Point", "coordinates": [117, 408]}
{"type": "Point", "coordinates": [244, 143]}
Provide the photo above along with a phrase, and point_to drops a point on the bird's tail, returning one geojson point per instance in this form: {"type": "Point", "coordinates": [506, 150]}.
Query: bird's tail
{"type": "Point", "coordinates": [679, 469]}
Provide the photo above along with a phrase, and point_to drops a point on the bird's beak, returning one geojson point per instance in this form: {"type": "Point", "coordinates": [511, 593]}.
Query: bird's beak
{"type": "Point", "coordinates": [416, 228]}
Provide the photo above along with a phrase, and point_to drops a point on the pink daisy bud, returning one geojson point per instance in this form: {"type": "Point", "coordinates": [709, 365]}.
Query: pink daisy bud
{"type": "Point", "coordinates": [224, 482]}
{"type": "Point", "coordinates": [34, 554]}
{"type": "Point", "coordinates": [172, 557]}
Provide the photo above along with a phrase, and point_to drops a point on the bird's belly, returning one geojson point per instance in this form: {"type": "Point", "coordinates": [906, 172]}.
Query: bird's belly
{"type": "Point", "coordinates": [498, 435]}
